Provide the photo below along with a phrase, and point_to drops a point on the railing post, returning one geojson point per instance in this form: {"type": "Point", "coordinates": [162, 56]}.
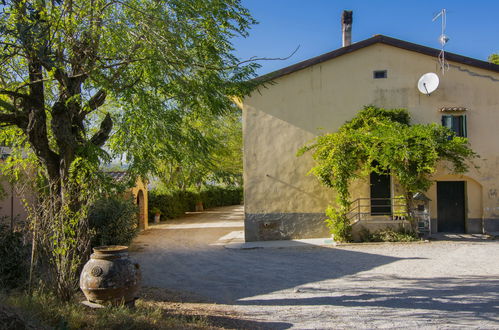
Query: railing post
{"type": "Point", "coordinates": [358, 208]}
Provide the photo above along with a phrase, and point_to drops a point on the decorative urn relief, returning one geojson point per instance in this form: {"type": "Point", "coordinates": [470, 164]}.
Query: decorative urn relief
{"type": "Point", "coordinates": [110, 276]}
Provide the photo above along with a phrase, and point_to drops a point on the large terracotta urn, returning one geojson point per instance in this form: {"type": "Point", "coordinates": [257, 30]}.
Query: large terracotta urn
{"type": "Point", "coordinates": [110, 276]}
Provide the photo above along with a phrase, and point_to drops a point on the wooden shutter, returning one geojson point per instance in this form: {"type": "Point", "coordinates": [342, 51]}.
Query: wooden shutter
{"type": "Point", "coordinates": [465, 126]}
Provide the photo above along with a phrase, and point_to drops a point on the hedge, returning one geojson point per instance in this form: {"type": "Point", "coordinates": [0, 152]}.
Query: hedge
{"type": "Point", "coordinates": [176, 203]}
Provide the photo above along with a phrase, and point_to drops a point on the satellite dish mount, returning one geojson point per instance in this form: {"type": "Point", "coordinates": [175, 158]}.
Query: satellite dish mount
{"type": "Point", "coordinates": [443, 39]}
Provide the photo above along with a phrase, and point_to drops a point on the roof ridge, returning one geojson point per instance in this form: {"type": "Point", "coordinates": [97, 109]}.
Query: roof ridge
{"type": "Point", "coordinates": [378, 38]}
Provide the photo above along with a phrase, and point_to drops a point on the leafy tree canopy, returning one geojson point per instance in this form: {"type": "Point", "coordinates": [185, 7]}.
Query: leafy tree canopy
{"type": "Point", "coordinates": [221, 165]}
{"type": "Point", "coordinates": [494, 58]}
{"type": "Point", "coordinates": [95, 79]}
{"type": "Point", "coordinates": [83, 82]}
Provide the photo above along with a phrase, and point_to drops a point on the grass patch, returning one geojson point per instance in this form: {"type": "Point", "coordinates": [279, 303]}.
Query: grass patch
{"type": "Point", "coordinates": [47, 310]}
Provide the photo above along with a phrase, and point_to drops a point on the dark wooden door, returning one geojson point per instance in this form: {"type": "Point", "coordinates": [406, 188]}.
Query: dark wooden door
{"type": "Point", "coordinates": [380, 194]}
{"type": "Point", "coordinates": [450, 206]}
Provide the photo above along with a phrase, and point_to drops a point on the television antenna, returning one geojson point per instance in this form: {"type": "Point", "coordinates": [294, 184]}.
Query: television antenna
{"type": "Point", "coordinates": [443, 39]}
{"type": "Point", "coordinates": [428, 83]}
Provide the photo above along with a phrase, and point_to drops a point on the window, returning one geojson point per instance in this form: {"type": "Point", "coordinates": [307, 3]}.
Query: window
{"type": "Point", "coordinates": [456, 123]}
{"type": "Point", "coordinates": [378, 74]}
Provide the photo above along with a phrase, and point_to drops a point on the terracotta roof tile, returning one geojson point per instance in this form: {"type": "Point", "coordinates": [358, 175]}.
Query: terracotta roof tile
{"type": "Point", "coordinates": [117, 175]}
{"type": "Point", "coordinates": [450, 109]}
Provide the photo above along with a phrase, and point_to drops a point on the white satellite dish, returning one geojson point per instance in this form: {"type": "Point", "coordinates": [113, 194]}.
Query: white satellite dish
{"type": "Point", "coordinates": [428, 83]}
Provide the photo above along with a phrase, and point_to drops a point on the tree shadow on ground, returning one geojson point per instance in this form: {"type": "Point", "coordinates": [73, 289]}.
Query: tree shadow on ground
{"type": "Point", "coordinates": [232, 323]}
{"type": "Point", "coordinates": [323, 283]}
{"type": "Point", "coordinates": [472, 297]}
{"type": "Point", "coordinates": [453, 237]}
{"type": "Point", "coordinates": [226, 276]}
{"type": "Point", "coordinates": [192, 307]}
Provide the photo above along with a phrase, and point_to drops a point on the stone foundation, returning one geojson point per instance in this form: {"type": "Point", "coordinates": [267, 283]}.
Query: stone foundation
{"type": "Point", "coordinates": [284, 226]}
{"type": "Point", "coordinates": [474, 225]}
{"type": "Point", "coordinates": [491, 225]}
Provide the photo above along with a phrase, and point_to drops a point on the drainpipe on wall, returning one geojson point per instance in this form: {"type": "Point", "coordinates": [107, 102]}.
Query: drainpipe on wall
{"type": "Point", "coordinates": [346, 27]}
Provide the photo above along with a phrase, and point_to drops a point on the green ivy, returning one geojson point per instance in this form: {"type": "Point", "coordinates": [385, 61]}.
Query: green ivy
{"type": "Point", "coordinates": [382, 141]}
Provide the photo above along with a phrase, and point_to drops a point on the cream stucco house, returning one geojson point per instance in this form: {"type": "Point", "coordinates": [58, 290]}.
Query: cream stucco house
{"type": "Point", "coordinates": [12, 207]}
{"type": "Point", "coordinates": [320, 94]}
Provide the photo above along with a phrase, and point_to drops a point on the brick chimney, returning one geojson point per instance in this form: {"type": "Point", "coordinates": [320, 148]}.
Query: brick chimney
{"type": "Point", "coordinates": [346, 27]}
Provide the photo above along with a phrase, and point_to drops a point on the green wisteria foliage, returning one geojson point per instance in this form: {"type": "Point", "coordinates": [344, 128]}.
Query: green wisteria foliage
{"type": "Point", "coordinates": [379, 140]}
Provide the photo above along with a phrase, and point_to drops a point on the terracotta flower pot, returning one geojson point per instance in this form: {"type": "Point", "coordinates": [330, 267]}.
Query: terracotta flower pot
{"type": "Point", "coordinates": [110, 276]}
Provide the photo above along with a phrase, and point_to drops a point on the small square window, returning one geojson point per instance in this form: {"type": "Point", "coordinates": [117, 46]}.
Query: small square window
{"type": "Point", "coordinates": [379, 74]}
{"type": "Point", "coordinates": [456, 123]}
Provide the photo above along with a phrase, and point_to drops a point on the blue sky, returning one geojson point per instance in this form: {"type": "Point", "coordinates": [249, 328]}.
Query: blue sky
{"type": "Point", "coordinates": [314, 25]}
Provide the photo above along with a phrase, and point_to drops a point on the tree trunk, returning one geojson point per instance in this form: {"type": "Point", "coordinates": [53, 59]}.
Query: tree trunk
{"type": "Point", "coordinates": [410, 210]}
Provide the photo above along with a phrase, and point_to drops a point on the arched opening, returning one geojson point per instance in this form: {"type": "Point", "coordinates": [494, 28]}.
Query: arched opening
{"type": "Point", "coordinates": [142, 214]}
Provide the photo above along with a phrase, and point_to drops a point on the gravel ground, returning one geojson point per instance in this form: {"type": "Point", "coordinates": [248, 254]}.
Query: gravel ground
{"type": "Point", "coordinates": [442, 284]}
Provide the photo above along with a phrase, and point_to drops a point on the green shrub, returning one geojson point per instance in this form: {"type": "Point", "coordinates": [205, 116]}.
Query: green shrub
{"type": "Point", "coordinates": [388, 235]}
{"type": "Point", "coordinates": [114, 221]}
{"type": "Point", "coordinates": [14, 259]}
{"type": "Point", "coordinates": [175, 203]}
{"type": "Point", "coordinates": [338, 224]}
{"type": "Point", "coordinates": [221, 196]}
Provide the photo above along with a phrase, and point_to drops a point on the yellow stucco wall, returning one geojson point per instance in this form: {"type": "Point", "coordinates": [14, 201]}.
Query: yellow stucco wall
{"type": "Point", "coordinates": [281, 118]}
{"type": "Point", "coordinates": [6, 209]}
{"type": "Point", "coordinates": [141, 186]}
{"type": "Point", "coordinates": [21, 214]}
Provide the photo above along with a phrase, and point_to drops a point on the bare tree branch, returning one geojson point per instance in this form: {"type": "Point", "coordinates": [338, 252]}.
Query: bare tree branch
{"type": "Point", "coordinates": [7, 106]}
{"type": "Point", "coordinates": [9, 118]}
{"type": "Point", "coordinates": [254, 58]}
{"type": "Point", "coordinates": [96, 101]}
{"type": "Point", "coordinates": [14, 94]}
{"type": "Point", "coordinates": [102, 135]}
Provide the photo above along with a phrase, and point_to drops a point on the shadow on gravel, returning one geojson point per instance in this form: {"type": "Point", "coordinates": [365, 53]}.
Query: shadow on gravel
{"type": "Point", "coordinates": [470, 296]}
{"type": "Point", "coordinates": [231, 323]}
{"type": "Point", "coordinates": [226, 276]}
{"type": "Point", "coordinates": [452, 237]}
{"type": "Point", "coordinates": [197, 308]}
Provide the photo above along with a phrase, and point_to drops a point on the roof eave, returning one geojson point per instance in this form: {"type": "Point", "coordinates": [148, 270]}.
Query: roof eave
{"type": "Point", "coordinates": [378, 39]}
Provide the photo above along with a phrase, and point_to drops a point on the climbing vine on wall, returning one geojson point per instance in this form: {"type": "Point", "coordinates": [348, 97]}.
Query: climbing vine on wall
{"type": "Point", "coordinates": [381, 140]}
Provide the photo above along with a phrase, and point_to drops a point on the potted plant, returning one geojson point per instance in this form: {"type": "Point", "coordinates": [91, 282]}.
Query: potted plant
{"type": "Point", "coordinates": [199, 206]}
{"type": "Point", "coordinates": [157, 214]}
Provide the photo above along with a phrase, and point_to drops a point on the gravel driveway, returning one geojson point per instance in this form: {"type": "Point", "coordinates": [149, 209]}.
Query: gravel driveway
{"type": "Point", "coordinates": [442, 284]}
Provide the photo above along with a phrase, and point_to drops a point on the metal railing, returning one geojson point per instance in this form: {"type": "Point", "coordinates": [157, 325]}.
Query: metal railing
{"type": "Point", "coordinates": [367, 208]}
